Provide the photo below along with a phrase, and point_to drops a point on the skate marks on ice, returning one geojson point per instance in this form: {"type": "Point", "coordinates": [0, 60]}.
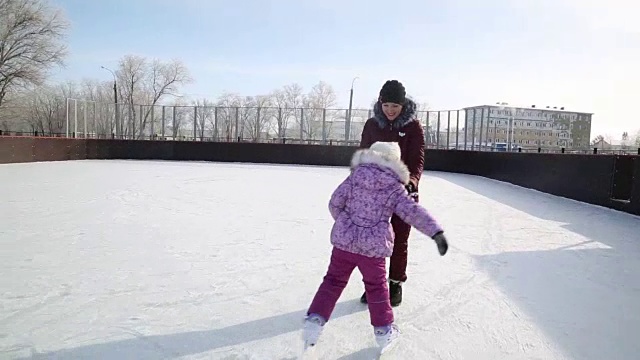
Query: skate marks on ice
{"type": "Point", "coordinates": [142, 346]}
{"type": "Point", "coordinates": [575, 276]}
{"type": "Point", "coordinates": [369, 353]}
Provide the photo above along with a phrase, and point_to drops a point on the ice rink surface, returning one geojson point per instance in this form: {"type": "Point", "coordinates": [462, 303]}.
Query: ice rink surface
{"type": "Point", "coordinates": [190, 260]}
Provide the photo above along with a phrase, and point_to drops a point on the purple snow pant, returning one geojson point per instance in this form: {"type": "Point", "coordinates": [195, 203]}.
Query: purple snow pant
{"type": "Point", "coordinates": [374, 276]}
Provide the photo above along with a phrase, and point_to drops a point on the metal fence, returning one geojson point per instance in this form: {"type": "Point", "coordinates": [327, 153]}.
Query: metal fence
{"type": "Point", "coordinates": [443, 129]}
{"type": "Point", "coordinates": [83, 118]}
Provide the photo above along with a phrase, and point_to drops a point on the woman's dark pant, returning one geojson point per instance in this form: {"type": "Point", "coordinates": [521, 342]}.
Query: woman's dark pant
{"type": "Point", "coordinates": [398, 261]}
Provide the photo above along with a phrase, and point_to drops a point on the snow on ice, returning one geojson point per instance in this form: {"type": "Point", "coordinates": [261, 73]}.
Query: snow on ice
{"type": "Point", "coordinates": [189, 260]}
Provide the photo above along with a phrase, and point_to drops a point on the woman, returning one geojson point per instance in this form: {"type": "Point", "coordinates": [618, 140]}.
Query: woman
{"type": "Point", "coordinates": [394, 121]}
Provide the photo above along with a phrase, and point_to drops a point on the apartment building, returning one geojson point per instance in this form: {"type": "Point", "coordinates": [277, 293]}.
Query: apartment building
{"type": "Point", "coordinates": [528, 127]}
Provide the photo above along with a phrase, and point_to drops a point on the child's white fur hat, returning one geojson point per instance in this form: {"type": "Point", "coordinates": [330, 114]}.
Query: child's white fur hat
{"type": "Point", "coordinates": [389, 150]}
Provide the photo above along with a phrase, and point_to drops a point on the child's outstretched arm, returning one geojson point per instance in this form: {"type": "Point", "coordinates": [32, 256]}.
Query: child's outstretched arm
{"type": "Point", "coordinates": [339, 198]}
{"type": "Point", "coordinates": [417, 216]}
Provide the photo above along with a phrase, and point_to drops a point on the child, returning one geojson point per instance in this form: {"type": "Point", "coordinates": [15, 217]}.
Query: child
{"type": "Point", "coordinates": [362, 237]}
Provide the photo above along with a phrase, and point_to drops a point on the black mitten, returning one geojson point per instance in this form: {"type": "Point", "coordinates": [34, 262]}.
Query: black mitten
{"type": "Point", "coordinates": [411, 190]}
{"type": "Point", "coordinates": [441, 241]}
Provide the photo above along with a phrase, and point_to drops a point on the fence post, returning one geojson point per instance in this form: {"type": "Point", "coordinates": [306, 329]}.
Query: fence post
{"type": "Point", "coordinates": [175, 131]}
{"type": "Point", "coordinates": [67, 120]}
{"type": "Point", "coordinates": [95, 120]}
{"type": "Point", "coordinates": [562, 150]}
{"type": "Point", "coordinates": [258, 110]}
{"type": "Point", "coordinates": [84, 121]}
{"type": "Point", "coordinates": [638, 148]}
{"type": "Point", "coordinates": [448, 127]}
{"type": "Point", "coordinates": [427, 137]}
{"type": "Point", "coordinates": [75, 118]}
{"type": "Point", "coordinates": [595, 150]}
{"type": "Point", "coordinates": [301, 125]}
{"type": "Point", "coordinates": [163, 121]}
{"type": "Point", "coordinates": [457, 127]}
{"type": "Point", "coordinates": [215, 124]}
{"type": "Point", "coordinates": [153, 121]}
{"type": "Point", "coordinates": [438, 133]}
{"type": "Point", "coordinates": [466, 124]}
{"type": "Point", "coordinates": [195, 122]}
{"type": "Point", "coordinates": [486, 131]}
{"type": "Point", "coordinates": [473, 132]}
{"type": "Point", "coordinates": [539, 149]}
{"type": "Point", "coordinates": [140, 120]}
{"type": "Point", "coordinates": [324, 126]}
{"type": "Point", "coordinates": [482, 127]}
{"type": "Point", "coordinates": [237, 121]}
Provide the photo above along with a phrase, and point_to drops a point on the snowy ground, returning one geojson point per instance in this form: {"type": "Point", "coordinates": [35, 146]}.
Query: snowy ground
{"type": "Point", "coordinates": [156, 260]}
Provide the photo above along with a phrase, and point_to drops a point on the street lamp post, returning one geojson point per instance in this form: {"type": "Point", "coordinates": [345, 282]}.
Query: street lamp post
{"type": "Point", "coordinates": [347, 133]}
{"type": "Point", "coordinates": [115, 99]}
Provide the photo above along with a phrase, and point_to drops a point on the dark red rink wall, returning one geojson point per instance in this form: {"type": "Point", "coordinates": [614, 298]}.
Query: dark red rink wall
{"type": "Point", "coordinates": [607, 180]}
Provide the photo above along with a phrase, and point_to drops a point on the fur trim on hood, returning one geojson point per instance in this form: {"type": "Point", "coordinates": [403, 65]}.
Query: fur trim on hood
{"type": "Point", "coordinates": [408, 113]}
{"type": "Point", "coordinates": [368, 156]}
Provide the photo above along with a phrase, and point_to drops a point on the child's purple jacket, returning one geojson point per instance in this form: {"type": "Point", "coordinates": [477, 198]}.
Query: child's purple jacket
{"type": "Point", "coordinates": [364, 202]}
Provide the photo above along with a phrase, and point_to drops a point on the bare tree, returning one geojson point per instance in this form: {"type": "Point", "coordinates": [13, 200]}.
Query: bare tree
{"type": "Point", "coordinates": [131, 73]}
{"type": "Point", "coordinates": [321, 96]}
{"type": "Point", "coordinates": [598, 139]}
{"type": "Point", "coordinates": [31, 37]}
{"type": "Point", "coordinates": [228, 115]}
{"type": "Point", "coordinates": [279, 100]}
{"type": "Point", "coordinates": [101, 93]}
{"type": "Point", "coordinates": [178, 118]}
{"type": "Point", "coordinates": [42, 109]}
{"type": "Point", "coordinates": [146, 82]}
{"type": "Point", "coordinates": [48, 111]}
{"type": "Point", "coordinates": [624, 141]}
{"type": "Point", "coordinates": [259, 115]}
{"type": "Point", "coordinates": [205, 111]}
{"type": "Point", "coordinates": [604, 141]}
{"type": "Point", "coordinates": [289, 100]}
{"type": "Point", "coordinates": [246, 115]}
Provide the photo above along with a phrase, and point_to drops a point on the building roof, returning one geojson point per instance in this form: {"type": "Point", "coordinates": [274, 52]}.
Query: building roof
{"type": "Point", "coordinates": [533, 107]}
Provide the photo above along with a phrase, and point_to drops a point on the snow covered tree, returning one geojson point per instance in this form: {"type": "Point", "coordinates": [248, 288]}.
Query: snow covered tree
{"type": "Point", "coordinates": [31, 42]}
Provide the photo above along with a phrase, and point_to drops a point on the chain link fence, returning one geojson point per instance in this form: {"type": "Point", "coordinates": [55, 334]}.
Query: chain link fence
{"type": "Point", "coordinates": [443, 129]}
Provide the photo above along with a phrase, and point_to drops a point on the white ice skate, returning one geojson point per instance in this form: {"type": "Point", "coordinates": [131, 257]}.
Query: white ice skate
{"type": "Point", "coordinates": [387, 337]}
{"type": "Point", "coordinates": [312, 330]}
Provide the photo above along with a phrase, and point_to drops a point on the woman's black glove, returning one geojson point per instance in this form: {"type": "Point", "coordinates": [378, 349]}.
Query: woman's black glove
{"type": "Point", "coordinates": [411, 190]}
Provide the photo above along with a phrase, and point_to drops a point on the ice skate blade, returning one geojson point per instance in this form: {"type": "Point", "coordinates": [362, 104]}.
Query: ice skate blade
{"type": "Point", "coordinates": [308, 352]}
{"type": "Point", "coordinates": [388, 349]}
